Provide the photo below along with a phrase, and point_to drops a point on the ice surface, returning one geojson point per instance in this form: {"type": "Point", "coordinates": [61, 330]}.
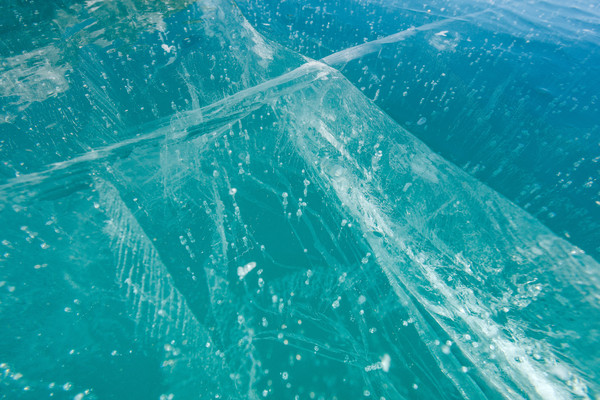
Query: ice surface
{"type": "Point", "coordinates": [498, 84]}
{"type": "Point", "coordinates": [274, 234]}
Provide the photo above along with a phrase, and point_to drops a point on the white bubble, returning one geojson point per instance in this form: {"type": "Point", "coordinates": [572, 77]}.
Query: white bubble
{"type": "Point", "coordinates": [243, 271]}
{"type": "Point", "coordinates": [336, 303]}
{"type": "Point", "coordinates": [386, 360]}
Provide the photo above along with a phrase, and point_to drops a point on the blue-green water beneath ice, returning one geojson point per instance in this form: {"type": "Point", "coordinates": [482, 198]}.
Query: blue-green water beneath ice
{"type": "Point", "coordinates": [299, 199]}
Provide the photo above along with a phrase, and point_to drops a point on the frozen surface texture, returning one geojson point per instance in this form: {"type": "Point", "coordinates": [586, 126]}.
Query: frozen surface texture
{"type": "Point", "coordinates": [191, 210]}
{"type": "Point", "coordinates": [508, 91]}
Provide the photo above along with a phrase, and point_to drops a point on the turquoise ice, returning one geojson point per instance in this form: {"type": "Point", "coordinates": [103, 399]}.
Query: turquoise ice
{"type": "Point", "coordinates": [191, 210]}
